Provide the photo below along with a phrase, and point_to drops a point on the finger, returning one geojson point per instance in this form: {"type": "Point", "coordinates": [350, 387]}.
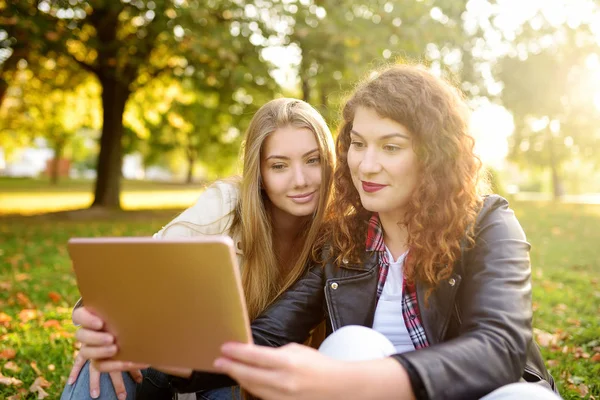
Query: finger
{"type": "Point", "coordinates": [94, 382]}
{"type": "Point", "coordinates": [84, 317]}
{"type": "Point", "coordinates": [98, 352]}
{"type": "Point", "coordinates": [119, 385]}
{"type": "Point", "coordinates": [77, 366]}
{"type": "Point", "coordinates": [114, 365]}
{"type": "Point", "coordinates": [137, 376]}
{"type": "Point", "coordinates": [94, 338]}
{"type": "Point", "coordinates": [259, 356]}
{"type": "Point", "coordinates": [252, 377]}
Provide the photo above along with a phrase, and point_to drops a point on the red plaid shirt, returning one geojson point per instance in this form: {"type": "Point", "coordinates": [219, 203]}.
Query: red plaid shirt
{"type": "Point", "coordinates": [410, 308]}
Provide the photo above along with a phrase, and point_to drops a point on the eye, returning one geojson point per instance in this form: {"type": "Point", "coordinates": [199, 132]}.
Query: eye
{"type": "Point", "coordinates": [391, 148]}
{"type": "Point", "coordinates": [356, 144]}
{"type": "Point", "coordinates": [314, 160]}
{"type": "Point", "coordinates": [278, 166]}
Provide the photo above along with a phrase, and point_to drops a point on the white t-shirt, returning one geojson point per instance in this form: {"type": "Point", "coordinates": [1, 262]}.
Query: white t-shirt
{"type": "Point", "coordinates": [388, 314]}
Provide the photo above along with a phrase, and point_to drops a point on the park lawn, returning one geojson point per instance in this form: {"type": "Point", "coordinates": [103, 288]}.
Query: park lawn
{"type": "Point", "coordinates": [37, 289]}
{"type": "Point", "coordinates": [35, 196]}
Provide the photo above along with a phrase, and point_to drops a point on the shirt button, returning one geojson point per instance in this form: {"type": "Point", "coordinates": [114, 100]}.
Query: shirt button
{"type": "Point", "coordinates": [334, 285]}
{"type": "Point", "coordinates": [452, 281]}
{"type": "Point", "coordinates": [412, 317]}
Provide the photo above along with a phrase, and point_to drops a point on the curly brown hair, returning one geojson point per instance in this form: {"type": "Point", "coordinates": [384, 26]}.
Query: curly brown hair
{"type": "Point", "coordinates": [443, 206]}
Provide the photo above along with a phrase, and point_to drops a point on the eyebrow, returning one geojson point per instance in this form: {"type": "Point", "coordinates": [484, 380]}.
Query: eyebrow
{"type": "Point", "coordinates": [287, 158]}
{"type": "Point", "coordinates": [391, 135]}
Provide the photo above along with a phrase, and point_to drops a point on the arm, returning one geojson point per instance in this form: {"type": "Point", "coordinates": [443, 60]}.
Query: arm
{"type": "Point", "coordinates": [495, 302]}
{"type": "Point", "coordinates": [289, 319]}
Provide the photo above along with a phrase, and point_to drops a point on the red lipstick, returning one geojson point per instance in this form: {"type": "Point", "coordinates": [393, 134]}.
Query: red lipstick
{"type": "Point", "coordinates": [371, 187]}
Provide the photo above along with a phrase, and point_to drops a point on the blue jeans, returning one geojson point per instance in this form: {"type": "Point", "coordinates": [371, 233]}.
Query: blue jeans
{"type": "Point", "coordinates": [155, 386]}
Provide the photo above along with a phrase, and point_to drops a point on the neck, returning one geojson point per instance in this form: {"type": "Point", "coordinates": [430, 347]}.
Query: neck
{"type": "Point", "coordinates": [286, 227]}
{"type": "Point", "coordinates": [395, 234]}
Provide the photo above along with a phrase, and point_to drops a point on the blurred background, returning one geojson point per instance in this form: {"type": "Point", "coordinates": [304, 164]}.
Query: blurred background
{"type": "Point", "coordinates": [132, 106]}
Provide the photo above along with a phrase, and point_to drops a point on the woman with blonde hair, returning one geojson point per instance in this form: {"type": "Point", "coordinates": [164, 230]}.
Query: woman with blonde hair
{"type": "Point", "coordinates": [274, 213]}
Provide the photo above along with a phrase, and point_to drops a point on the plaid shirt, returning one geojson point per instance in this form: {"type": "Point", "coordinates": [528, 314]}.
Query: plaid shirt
{"type": "Point", "coordinates": [410, 308]}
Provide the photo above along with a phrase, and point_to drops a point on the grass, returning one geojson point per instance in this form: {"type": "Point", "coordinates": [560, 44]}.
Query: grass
{"type": "Point", "coordinates": [33, 196]}
{"type": "Point", "coordinates": [37, 290]}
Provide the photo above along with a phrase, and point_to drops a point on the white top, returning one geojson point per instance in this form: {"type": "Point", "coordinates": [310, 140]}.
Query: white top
{"type": "Point", "coordinates": [388, 314]}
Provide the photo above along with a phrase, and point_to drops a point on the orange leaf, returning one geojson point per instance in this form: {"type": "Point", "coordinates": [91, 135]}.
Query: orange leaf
{"type": "Point", "coordinates": [596, 357]}
{"type": "Point", "coordinates": [27, 315]}
{"type": "Point", "coordinates": [52, 323]}
{"type": "Point", "coordinates": [5, 319]}
{"type": "Point", "coordinates": [6, 286]}
{"type": "Point", "coordinates": [55, 297]}
{"type": "Point", "coordinates": [23, 300]}
{"type": "Point", "coordinates": [8, 354]}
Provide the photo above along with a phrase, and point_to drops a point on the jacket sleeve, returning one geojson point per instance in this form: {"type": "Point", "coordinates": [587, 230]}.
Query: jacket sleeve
{"type": "Point", "coordinates": [495, 304]}
{"type": "Point", "coordinates": [212, 214]}
{"type": "Point", "coordinates": [289, 319]}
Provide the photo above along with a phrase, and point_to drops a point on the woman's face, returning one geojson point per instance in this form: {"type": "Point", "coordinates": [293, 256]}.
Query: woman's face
{"type": "Point", "coordinates": [382, 162]}
{"type": "Point", "coordinates": [291, 170]}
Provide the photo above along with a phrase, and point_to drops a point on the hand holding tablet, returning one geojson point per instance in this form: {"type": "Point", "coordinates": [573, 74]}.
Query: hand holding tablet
{"type": "Point", "coordinates": [170, 302]}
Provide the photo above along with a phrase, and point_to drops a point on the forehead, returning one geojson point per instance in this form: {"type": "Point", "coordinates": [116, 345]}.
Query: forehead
{"type": "Point", "coordinates": [289, 141]}
{"type": "Point", "coordinates": [368, 123]}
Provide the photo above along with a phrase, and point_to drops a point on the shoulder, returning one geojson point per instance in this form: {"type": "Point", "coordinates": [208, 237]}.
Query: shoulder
{"type": "Point", "coordinates": [495, 214]}
{"type": "Point", "coordinates": [212, 214]}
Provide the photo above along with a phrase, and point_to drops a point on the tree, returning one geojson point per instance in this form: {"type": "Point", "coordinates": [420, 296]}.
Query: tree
{"type": "Point", "coordinates": [125, 44]}
{"type": "Point", "coordinates": [551, 95]}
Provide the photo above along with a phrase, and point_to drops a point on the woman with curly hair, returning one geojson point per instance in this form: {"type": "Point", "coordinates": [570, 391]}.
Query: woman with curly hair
{"type": "Point", "coordinates": [425, 282]}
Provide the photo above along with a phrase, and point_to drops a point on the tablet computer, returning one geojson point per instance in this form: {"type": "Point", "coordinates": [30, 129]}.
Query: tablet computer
{"type": "Point", "coordinates": [168, 302]}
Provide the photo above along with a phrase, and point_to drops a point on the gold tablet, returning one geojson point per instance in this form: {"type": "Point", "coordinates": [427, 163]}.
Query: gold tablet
{"type": "Point", "coordinates": [168, 302]}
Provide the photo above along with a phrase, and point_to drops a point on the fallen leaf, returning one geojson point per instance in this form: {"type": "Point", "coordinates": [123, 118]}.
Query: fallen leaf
{"type": "Point", "coordinates": [583, 390]}
{"type": "Point", "coordinates": [579, 353]}
{"type": "Point", "coordinates": [34, 366]}
{"type": "Point", "coordinates": [553, 363]}
{"type": "Point", "coordinates": [52, 323]}
{"type": "Point", "coordinates": [6, 286]}
{"type": "Point", "coordinates": [596, 357]}
{"type": "Point", "coordinates": [12, 366]}
{"type": "Point", "coordinates": [5, 319]}
{"type": "Point", "coordinates": [23, 300]}
{"type": "Point", "coordinates": [9, 381]}
{"type": "Point", "coordinates": [55, 297]}
{"type": "Point", "coordinates": [51, 367]}
{"type": "Point", "coordinates": [545, 339]}
{"type": "Point", "coordinates": [8, 354]}
{"type": "Point", "coordinates": [22, 277]}
{"type": "Point", "coordinates": [38, 387]}
{"type": "Point", "coordinates": [561, 307]}
{"type": "Point", "coordinates": [27, 315]}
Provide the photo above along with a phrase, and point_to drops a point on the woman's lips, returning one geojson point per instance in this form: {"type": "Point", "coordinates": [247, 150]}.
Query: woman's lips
{"type": "Point", "coordinates": [371, 187]}
{"type": "Point", "coordinates": [303, 198]}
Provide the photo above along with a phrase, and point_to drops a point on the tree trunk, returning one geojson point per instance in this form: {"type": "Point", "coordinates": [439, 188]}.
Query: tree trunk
{"type": "Point", "coordinates": [108, 180]}
{"type": "Point", "coordinates": [558, 189]}
{"type": "Point", "coordinates": [3, 90]}
{"type": "Point", "coordinates": [305, 88]}
{"type": "Point", "coordinates": [58, 151]}
{"type": "Point", "coordinates": [191, 162]}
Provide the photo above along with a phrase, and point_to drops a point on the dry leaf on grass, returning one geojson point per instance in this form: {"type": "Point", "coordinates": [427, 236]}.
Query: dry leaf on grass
{"type": "Point", "coordinates": [27, 315]}
{"type": "Point", "coordinates": [34, 366]}
{"type": "Point", "coordinates": [23, 300]}
{"type": "Point", "coordinates": [596, 357]}
{"type": "Point", "coordinates": [5, 319]}
{"type": "Point", "coordinates": [52, 323]}
{"type": "Point", "coordinates": [12, 366]}
{"type": "Point", "coordinates": [21, 394]}
{"type": "Point", "coordinates": [8, 354]}
{"type": "Point", "coordinates": [583, 390]}
{"type": "Point", "coordinates": [545, 339]}
{"type": "Point", "coordinates": [9, 381]}
{"type": "Point", "coordinates": [38, 387]}
{"type": "Point", "coordinates": [55, 297]}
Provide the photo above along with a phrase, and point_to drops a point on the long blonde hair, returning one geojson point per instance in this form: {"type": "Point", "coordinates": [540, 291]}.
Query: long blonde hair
{"type": "Point", "coordinates": [262, 277]}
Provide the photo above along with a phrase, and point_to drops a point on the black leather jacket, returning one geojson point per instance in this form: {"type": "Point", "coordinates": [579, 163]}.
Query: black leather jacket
{"type": "Point", "coordinates": [478, 322]}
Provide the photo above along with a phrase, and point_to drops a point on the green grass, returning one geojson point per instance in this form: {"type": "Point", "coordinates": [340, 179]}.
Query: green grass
{"type": "Point", "coordinates": [34, 196]}
{"type": "Point", "coordinates": [35, 269]}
